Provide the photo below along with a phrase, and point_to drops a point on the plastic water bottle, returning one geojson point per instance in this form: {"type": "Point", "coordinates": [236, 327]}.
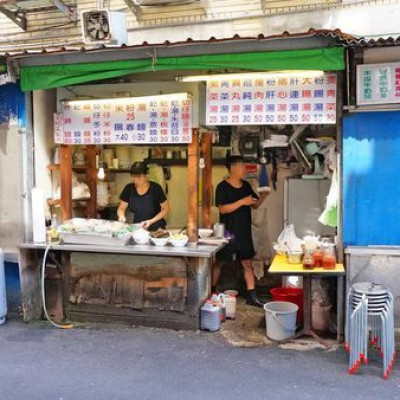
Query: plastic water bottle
{"type": "Point", "coordinates": [210, 317]}
{"type": "Point", "coordinates": [3, 297]}
{"type": "Point", "coordinates": [230, 302]}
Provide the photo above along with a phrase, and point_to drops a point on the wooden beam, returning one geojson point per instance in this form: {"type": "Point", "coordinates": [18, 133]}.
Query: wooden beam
{"type": "Point", "coordinates": [17, 17]}
{"type": "Point", "coordinates": [206, 147]}
{"type": "Point", "coordinates": [66, 10]}
{"type": "Point", "coordinates": [66, 182]}
{"type": "Point", "coordinates": [135, 8]}
{"type": "Point", "coordinates": [193, 187]}
{"type": "Point", "coordinates": [91, 180]}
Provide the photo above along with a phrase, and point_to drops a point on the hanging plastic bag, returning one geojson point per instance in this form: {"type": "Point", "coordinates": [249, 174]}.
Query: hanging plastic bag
{"type": "Point", "coordinates": [288, 239]}
{"type": "Point", "coordinates": [329, 216]}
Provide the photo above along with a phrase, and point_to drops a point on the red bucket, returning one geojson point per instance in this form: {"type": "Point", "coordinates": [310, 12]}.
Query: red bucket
{"type": "Point", "coordinates": [292, 295]}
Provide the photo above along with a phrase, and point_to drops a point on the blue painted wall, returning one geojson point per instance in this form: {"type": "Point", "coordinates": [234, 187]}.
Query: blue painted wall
{"type": "Point", "coordinates": [371, 178]}
{"type": "Point", "coordinates": [12, 104]}
{"type": "Point", "coordinates": [12, 286]}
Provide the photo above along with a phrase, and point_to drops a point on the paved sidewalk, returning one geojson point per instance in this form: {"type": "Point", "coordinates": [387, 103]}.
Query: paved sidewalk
{"type": "Point", "coordinates": [38, 362]}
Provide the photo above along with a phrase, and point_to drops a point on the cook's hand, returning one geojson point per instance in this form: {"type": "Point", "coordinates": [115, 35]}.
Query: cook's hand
{"type": "Point", "coordinates": [147, 224]}
{"type": "Point", "coordinates": [122, 219]}
{"type": "Point", "coordinates": [248, 201]}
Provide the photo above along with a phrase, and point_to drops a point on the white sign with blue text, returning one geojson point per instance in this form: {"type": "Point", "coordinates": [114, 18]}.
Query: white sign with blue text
{"type": "Point", "coordinates": [162, 119]}
{"type": "Point", "coordinates": [271, 99]}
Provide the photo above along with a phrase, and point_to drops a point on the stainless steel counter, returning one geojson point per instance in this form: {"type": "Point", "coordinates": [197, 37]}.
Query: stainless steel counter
{"type": "Point", "coordinates": [373, 250]}
{"type": "Point", "coordinates": [140, 285]}
{"type": "Point", "coordinates": [193, 251]}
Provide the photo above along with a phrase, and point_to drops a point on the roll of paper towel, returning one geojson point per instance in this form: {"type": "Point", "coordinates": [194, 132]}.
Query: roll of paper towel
{"type": "Point", "coordinates": [38, 216]}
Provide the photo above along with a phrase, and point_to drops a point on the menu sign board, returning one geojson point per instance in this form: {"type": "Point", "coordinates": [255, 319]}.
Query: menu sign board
{"type": "Point", "coordinates": [260, 99]}
{"type": "Point", "coordinates": [378, 83]}
{"type": "Point", "coordinates": [163, 119]}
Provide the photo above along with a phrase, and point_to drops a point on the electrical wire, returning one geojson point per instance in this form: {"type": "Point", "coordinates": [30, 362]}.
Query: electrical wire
{"type": "Point", "coordinates": [68, 326]}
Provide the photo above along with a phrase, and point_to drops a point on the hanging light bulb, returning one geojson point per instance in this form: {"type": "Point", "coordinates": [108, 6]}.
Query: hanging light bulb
{"type": "Point", "coordinates": [202, 163]}
{"type": "Point", "coordinates": [101, 174]}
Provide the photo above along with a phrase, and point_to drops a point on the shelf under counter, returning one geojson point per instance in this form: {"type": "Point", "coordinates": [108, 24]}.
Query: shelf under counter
{"type": "Point", "coordinates": [192, 251]}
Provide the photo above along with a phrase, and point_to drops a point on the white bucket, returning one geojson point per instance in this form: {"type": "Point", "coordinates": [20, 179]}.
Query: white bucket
{"type": "Point", "coordinates": [280, 319]}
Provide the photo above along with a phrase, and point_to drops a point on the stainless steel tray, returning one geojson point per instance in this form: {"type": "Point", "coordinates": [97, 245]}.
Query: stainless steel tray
{"type": "Point", "coordinates": [96, 240]}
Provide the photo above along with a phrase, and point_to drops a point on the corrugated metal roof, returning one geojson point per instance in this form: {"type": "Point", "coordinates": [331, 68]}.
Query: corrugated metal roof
{"type": "Point", "coordinates": [380, 42]}
{"type": "Point", "coordinates": [336, 35]}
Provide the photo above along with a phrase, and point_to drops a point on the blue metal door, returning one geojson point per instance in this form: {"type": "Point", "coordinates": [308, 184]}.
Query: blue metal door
{"type": "Point", "coordinates": [371, 178]}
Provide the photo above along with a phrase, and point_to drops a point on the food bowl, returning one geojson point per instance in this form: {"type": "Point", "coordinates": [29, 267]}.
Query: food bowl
{"type": "Point", "coordinates": [178, 240]}
{"type": "Point", "coordinates": [159, 242]}
{"type": "Point", "coordinates": [205, 233]}
{"type": "Point", "coordinates": [141, 236]}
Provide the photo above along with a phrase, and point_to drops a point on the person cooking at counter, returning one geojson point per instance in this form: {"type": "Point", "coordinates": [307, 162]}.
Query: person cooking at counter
{"type": "Point", "coordinates": [146, 199]}
{"type": "Point", "coordinates": [234, 198]}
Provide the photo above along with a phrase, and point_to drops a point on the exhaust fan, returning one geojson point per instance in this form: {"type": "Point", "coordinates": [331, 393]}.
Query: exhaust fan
{"type": "Point", "coordinates": [104, 27]}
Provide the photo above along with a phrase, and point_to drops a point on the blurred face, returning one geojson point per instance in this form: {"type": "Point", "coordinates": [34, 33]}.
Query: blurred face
{"type": "Point", "coordinates": [238, 170]}
{"type": "Point", "coordinates": [139, 180]}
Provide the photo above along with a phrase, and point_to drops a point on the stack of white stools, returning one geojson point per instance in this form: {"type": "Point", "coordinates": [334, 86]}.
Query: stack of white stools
{"type": "Point", "coordinates": [370, 321]}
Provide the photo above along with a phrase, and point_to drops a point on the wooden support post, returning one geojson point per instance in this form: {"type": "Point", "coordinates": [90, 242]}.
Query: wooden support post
{"type": "Point", "coordinates": [91, 180]}
{"type": "Point", "coordinates": [66, 182]}
{"type": "Point", "coordinates": [206, 147]}
{"type": "Point", "coordinates": [193, 187]}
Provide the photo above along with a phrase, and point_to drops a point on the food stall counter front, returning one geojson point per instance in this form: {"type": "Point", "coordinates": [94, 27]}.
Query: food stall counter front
{"type": "Point", "coordinates": [136, 284]}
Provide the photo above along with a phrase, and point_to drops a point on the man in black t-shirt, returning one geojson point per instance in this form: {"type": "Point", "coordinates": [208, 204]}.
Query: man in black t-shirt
{"type": "Point", "coordinates": [235, 198]}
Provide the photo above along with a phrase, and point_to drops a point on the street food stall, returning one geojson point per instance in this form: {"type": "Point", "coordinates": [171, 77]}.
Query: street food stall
{"type": "Point", "coordinates": [283, 123]}
{"type": "Point", "coordinates": [108, 273]}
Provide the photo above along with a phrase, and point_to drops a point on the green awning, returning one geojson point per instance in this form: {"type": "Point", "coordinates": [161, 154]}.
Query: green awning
{"type": "Point", "coordinates": [52, 76]}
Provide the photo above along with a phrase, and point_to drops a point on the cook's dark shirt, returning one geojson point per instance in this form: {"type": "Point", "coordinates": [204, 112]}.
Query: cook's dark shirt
{"type": "Point", "coordinates": [146, 206]}
{"type": "Point", "coordinates": [239, 221]}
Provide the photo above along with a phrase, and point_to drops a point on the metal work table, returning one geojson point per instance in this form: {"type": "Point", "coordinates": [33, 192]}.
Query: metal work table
{"type": "Point", "coordinates": [140, 284]}
{"type": "Point", "coordinates": [280, 266]}
{"type": "Point", "coordinates": [202, 251]}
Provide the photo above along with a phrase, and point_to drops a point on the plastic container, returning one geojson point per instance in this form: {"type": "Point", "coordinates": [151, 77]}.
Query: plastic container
{"type": "Point", "coordinates": [329, 256]}
{"type": "Point", "coordinates": [219, 300]}
{"type": "Point", "coordinates": [317, 255]}
{"type": "Point", "coordinates": [231, 303]}
{"type": "Point", "coordinates": [294, 257]}
{"type": "Point", "coordinates": [320, 317]}
{"type": "Point", "coordinates": [3, 297]}
{"type": "Point", "coordinates": [308, 260]}
{"type": "Point", "coordinates": [291, 295]}
{"type": "Point", "coordinates": [280, 317]}
{"type": "Point", "coordinates": [210, 317]}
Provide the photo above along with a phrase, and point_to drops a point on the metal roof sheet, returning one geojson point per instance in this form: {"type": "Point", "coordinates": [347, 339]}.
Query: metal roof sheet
{"type": "Point", "coordinates": [336, 35]}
